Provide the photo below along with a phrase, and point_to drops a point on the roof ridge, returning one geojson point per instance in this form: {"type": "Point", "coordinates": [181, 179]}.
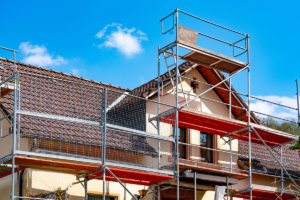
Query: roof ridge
{"type": "Point", "coordinates": [161, 75]}
{"type": "Point", "coordinates": [42, 68]}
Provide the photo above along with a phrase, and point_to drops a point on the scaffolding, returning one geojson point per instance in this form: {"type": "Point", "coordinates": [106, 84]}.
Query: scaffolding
{"type": "Point", "coordinates": [76, 124]}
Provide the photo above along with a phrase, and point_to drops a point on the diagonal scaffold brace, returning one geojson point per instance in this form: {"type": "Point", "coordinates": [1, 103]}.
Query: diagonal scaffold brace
{"type": "Point", "coordinates": [121, 183]}
{"type": "Point", "coordinates": [296, 185]}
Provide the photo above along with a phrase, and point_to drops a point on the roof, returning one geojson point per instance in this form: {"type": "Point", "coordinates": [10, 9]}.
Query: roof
{"type": "Point", "coordinates": [151, 86]}
{"type": "Point", "coordinates": [268, 167]}
{"type": "Point", "coordinates": [68, 96]}
{"type": "Point", "coordinates": [55, 74]}
{"type": "Point", "coordinates": [212, 76]}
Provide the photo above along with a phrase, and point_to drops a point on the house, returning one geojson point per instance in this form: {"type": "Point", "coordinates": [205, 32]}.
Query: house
{"type": "Point", "coordinates": [56, 151]}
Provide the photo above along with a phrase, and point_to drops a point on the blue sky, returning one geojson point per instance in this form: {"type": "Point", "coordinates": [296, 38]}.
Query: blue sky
{"type": "Point", "coordinates": [66, 36]}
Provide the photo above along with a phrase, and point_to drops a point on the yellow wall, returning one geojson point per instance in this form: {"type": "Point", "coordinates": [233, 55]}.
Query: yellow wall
{"type": "Point", "coordinates": [38, 180]}
{"type": "Point", "coordinates": [207, 106]}
{"type": "Point", "coordinates": [5, 143]}
{"type": "Point", "coordinates": [5, 187]}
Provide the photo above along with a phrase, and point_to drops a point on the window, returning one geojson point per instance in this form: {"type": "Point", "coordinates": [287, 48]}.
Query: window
{"type": "Point", "coordinates": [206, 140]}
{"type": "Point", "coordinates": [182, 138]}
{"type": "Point", "coordinates": [100, 197]}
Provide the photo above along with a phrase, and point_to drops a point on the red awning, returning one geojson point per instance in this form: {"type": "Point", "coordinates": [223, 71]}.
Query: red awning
{"type": "Point", "coordinates": [220, 125]}
{"type": "Point", "coordinates": [125, 175]}
{"type": "Point", "coordinates": [265, 195]}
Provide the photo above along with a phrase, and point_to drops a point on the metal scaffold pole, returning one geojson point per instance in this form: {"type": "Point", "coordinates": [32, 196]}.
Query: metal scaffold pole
{"type": "Point", "coordinates": [249, 121]}
{"type": "Point", "coordinates": [230, 98]}
{"type": "Point", "coordinates": [281, 160]}
{"type": "Point", "coordinates": [230, 146]}
{"type": "Point", "coordinates": [195, 186]}
{"type": "Point", "coordinates": [104, 136]}
{"type": "Point", "coordinates": [85, 188]}
{"type": "Point", "coordinates": [177, 107]}
{"type": "Point", "coordinates": [158, 193]}
{"type": "Point", "coordinates": [298, 113]}
{"type": "Point", "coordinates": [227, 188]}
{"type": "Point", "coordinates": [281, 165]}
{"type": "Point", "coordinates": [158, 106]}
{"type": "Point", "coordinates": [14, 128]}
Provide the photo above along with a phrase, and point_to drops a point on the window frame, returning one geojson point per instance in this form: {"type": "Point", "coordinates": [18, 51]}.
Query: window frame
{"type": "Point", "coordinates": [212, 147]}
{"type": "Point", "coordinates": [187, 141]}
{"type": "Point", "coordinates": [188, 151]}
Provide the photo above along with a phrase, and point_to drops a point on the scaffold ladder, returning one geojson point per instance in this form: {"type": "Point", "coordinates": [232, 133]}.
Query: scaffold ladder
{"type": "Point", "coordinates": [166, 56]}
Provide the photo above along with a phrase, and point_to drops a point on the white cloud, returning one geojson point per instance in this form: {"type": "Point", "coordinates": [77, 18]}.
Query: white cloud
{"type": "Point", "coordinates": [75, 71]}
{"type": "Point", "coordinates": [102, 32]}
{"type": "Point", "coordinates": [127, 41]}
{"type": "Point", "coordinates": [275, 110]}
{"type": "Point", "coordinates": [39, 55]}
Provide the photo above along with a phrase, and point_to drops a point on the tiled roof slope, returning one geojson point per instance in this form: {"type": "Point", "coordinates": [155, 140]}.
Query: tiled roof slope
{"type": "Point", "coordinates": [68, 99]}
{"type": "Point", "coordinates": [151, 86]}
{"type": "Point", "coordinates": [55, 74]}
{"type": "Point", "coordinates": [272, 168]}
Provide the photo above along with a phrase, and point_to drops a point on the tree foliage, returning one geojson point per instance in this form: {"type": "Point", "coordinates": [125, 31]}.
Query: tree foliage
{"type": "Point", "coordinates": [286, 126]}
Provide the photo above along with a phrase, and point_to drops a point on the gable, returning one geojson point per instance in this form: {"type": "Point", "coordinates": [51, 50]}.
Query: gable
{"type": "Point", "coordinates": [210, 76]}
{"type": "Point", "coordinates": [200, 104]}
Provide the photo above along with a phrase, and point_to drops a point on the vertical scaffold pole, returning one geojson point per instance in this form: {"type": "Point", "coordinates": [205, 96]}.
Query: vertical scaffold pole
{"type": "Point", "coordinates": [104, 138]}
{"type": "Point", "coordinates": [18, 181]}
{"type": "Point", "coordinates": [195, 186]}
{"type": "Point", "coordinates": [158, 106]}
{"type": "Point", "coordinates": [281, 160]}
{"type": "Point", "coordinates": [216, 147]}
{"type": "Point", "coordinates": [14, 128]}
{"type": "Point", "coordinates": [18, 116]}
{"type": "Point", "coordinates": [229, 97]}
{"type": "Point", "coordinates": [104, 184]}
{"type": "Point", "coordinates": [249, 120]}
{"type": "Point", "coordinates": [298, 114]}
{"type": "Point", "coordinates": [158, 193]}
{"type": "Point", "coordinates": [85, 188]}
{"type": "Point", "coordinates": [230, 146]}
{"type": "Point", "coordinates": [177, 106]}
{"type": "Point", "coordinates": [189, 142]}
{"type": "Point", "coordinates": [227, 189]}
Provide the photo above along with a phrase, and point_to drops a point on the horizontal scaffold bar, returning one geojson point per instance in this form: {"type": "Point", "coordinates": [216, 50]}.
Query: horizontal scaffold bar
{"type": "Point", "coordinates": [95, 123]}
{"type": "Point", "coordinates": [234, 132]}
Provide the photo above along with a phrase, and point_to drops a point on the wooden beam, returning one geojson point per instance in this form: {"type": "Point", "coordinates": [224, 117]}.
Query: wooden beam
{"type": "Point", "coordinates": [215, 63]}
{"type": "Point", "coordinates": [212, 178]}
{"type": "Point", "coordinates": [241, 116]}
{"type": "Point", "coordinates": [198, 187]}
{"type": "Point", "coordinates": [51, 168]}
{"type": "Point", "coordinates": [208, 169]}
{"type": "Point", "coordinates": [5, 91]}
{"type": "Point", "coordinates": [161, 183]}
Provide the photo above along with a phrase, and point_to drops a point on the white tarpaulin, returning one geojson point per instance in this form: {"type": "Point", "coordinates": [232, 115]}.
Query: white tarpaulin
{"type": "Point", "coordinates": [220, 191]}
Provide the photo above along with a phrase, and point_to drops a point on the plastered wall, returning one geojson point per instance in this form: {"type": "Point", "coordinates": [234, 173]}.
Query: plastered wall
{"type": "Point", "coordinates": [199, 105]}
{"type": "Point", "coordinates": [6, 142]}
{"type": "Point", "coordinates": [38, 180]}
